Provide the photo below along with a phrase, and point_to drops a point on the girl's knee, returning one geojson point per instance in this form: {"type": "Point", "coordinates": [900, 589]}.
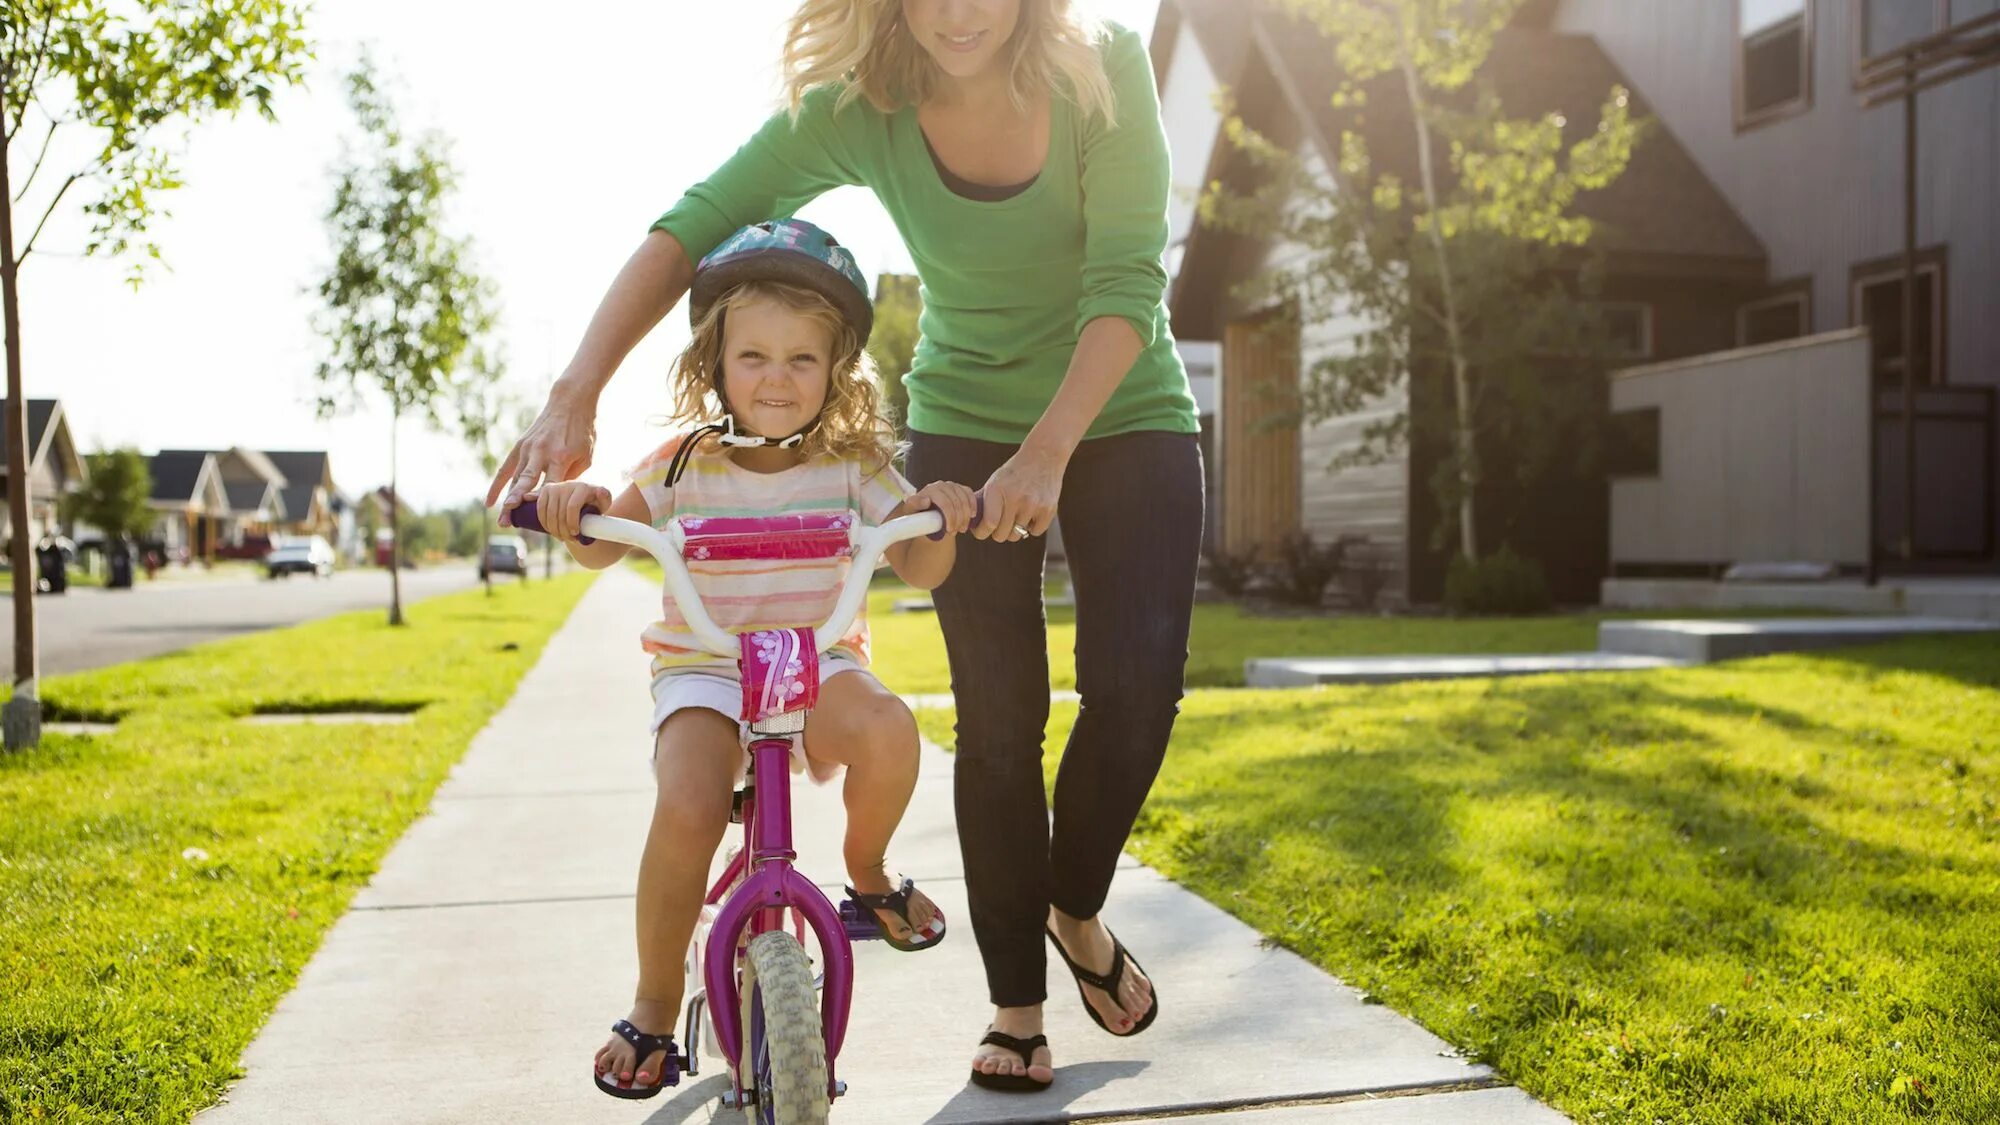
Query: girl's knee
{"type": "Point", "coordinates": [876, 726]}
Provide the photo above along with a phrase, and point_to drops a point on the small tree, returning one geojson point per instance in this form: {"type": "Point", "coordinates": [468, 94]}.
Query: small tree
{"type": "Point", "coordinates": [403, 305]}
{"type": "Point", "coordinates": [1483, 278]}
{"type": "Point", "coordinates": [126, 79]}
{"type": "Point", "coordinates": [114, 497]}
{"type": "Point", "coordinates": [893, 342]}
{"type": "Point", "coordinates": [485, 407]}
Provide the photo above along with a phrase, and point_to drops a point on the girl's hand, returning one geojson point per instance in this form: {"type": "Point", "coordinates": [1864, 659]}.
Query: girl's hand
{"type": "Point", "coordinates": [560, 506]}
{"type": "Point", "coordinates": [955, 501]}
{"type": "Point", "coordinates": [1021, 495]}
{"type": "Point", "coordinates": [557, 446]}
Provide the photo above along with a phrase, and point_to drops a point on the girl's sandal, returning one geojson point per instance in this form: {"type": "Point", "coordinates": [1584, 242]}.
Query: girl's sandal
{"type": "Point", "coordinates": [1012, 1083]}
{"type": "Point", "coordinates": [898, 901]}
{"type": "Point", "coordinates": [671, 1066]}
{"type": "Point", "coordinates": [1108, 983]}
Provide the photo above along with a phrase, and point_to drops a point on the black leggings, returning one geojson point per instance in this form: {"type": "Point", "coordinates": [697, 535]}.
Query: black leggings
{"type": "Point", "coordinates": [1131, 512]}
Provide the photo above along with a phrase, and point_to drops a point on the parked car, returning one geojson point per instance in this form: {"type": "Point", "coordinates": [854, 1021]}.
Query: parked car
{"type": "Point", "coordinates": [313, 555]}
{"type": "Point", "coordinates": [505, 554]}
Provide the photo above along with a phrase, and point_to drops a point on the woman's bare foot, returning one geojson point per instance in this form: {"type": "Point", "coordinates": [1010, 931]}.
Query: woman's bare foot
{"type": "Point", "coordinates": [1021, 1023]}
{"type": "Point", "coordinates": [1089, 944]}
{"type": "Point", "coordinates": [616, 1061]}
{"type": "Point", "coordinates": [875, 880]}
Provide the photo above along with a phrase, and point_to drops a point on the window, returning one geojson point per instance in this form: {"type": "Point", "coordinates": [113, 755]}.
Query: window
{"type": "Point", "coordinates": [1785, 314]}
{"type": "Point", "coordinates": [1877, 301]}
{"type": "Point", "coordinates": [1634, 448]}
{"type": "Point", "coordinates": [1882, 27]}
{"type": "Point", "coordinates": [1629, 324]}
{"type": "Point", "coordinates": [1773, 60]}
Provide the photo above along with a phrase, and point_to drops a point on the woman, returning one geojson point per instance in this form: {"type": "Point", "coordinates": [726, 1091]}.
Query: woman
{"type": "Point", "coordinates": [1020, 153]}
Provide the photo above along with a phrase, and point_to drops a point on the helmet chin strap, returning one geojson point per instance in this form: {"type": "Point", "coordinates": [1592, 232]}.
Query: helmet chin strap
{"type": "Point", "coordinates": [729, 436]}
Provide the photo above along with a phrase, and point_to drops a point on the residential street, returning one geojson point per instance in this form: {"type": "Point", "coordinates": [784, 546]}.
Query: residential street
{"type": "Point", "coordinates": [89, 627]}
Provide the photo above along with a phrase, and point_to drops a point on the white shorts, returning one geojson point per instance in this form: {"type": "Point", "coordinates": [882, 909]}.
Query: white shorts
{"type": "Point", "coordinates": [720, 690]}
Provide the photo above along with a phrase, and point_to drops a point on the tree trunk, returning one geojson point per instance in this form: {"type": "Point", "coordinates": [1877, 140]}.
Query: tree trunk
{"type": "Point", "coordinates": [395, 525]}
{"type": "Point", "coordinates": [22, 718]}
{"type": "Point", "coordinates": [1461, 381]}
{"type": "Point", "coordinates": [485, 542]}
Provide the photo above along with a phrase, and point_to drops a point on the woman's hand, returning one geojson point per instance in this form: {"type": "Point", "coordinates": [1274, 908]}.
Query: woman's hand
{"type": "Point", "coordinates": [954, 501]}
{"type": "Point", "coordinates": [557, 447]}
{"type": "Point", "coordinates": [1021, 495]}
{"type": "Point", "coordinates": [560, 506]}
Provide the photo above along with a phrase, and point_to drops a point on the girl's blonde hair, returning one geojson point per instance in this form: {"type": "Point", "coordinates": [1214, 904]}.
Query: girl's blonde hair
{"type": "Point", "coordinates": [866, 44]}
{"type": "Point", "coordinates": [851, 425]}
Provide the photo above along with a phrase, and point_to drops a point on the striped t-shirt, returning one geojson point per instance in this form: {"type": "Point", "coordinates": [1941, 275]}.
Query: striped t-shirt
{"type": "Point", "coordinates": [751, 594]}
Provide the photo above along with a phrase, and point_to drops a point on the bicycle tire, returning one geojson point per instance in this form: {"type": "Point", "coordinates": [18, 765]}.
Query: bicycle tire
{"type": "Point", "coordinates": [784, 1048]}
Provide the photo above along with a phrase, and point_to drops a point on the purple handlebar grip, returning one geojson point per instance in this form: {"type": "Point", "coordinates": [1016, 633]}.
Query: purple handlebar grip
{"type": "Point", "coordinates": [978, 513]}
{"type": "Point", "coordinates": [525, 517]}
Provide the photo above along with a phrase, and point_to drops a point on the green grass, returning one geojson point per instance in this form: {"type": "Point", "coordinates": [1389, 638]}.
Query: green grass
{"type": "Point", "coordinates": [909, 651]}
{"type": "Point", "coordinates": [1763, 891]}
{"type": "Point", "coordinates": [163, 885]}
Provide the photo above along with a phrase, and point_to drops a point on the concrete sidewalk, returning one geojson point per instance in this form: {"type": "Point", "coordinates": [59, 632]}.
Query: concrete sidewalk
{"type": "Point", "coordinates": [476, 975]}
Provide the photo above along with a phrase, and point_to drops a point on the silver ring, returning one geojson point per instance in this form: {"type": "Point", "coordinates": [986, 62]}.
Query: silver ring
{"type": "Point", "coordinates": [1019, 530]}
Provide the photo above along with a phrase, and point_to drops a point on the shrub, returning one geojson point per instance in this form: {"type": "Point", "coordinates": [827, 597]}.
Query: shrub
{"type": "Point", "coordinates": [1304, 567]}
{"type": "Point", "coordinates": [1231, 571]}
{"type": "Point", "coordinates": [1361, 575]}
{"type": "Point", "coordinates": [1500, 583]}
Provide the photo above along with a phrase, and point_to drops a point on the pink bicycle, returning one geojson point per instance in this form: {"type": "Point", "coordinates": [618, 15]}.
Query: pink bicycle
{"type": "Point", "coordinates": [757, 985]}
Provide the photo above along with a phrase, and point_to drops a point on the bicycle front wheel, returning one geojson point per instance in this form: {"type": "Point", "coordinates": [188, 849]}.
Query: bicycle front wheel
{"type": "Point", "coordinates": [784, 1049]}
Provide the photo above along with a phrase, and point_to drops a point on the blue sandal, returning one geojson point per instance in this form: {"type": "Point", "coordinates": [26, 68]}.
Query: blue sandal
{"type": "Point", "coordinates": [898, 901]}
{"type": "Point", "coordinates": [670, 1068]}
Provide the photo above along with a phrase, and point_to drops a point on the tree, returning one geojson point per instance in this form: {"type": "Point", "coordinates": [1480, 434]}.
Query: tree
{"type": "Point", "coordinates": [403, 305]}
{"type": "Point", "coordinates": [1486, 277]}
{"type": "Point", "coordinates": [114, 495]}
{"type": "Point", "coordinates": [893, 342]}
{"type": "Point", "coordinates": [125, 80]}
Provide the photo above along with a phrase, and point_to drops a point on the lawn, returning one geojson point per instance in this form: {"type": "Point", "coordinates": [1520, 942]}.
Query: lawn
{"type": "Point", "coordinates": [1762, 891]}
{"type": "Point", "coordinates": [163, 885]}
{"type": "Point", "coordinates": [909, 651]}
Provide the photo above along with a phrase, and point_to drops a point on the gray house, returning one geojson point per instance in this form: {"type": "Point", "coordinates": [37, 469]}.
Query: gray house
{"type": "Point", "coordinates": [1753, 275]}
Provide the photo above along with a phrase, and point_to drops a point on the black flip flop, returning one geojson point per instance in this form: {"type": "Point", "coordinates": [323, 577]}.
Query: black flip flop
{"type": "Point", "coordinates": [1107, 983]}
{"type": "Point", "coordinates": [898, 901]}
{"type": "Point", "coordinates": [670, 1069]}
{"type": "Point", "coordinates": [1012, 1083]}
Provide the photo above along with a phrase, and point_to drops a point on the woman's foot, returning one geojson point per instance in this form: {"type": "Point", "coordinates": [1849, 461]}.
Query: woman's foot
{"type": "Point", "coordinates": [1089, 944]}
{"type": "Point", "coordinates": [615, 1060]}
{"type": "Point", "coordinates": [876, 881]}
{"type": "Point", "coordinates": [1021, 1023]}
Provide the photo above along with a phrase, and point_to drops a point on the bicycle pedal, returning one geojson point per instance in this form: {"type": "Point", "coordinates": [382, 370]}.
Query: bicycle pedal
{"type": "Point", "coordinates": [859, 921]}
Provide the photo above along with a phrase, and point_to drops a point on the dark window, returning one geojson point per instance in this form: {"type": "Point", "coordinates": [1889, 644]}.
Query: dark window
{"type": "Point", "coordinates": [1878, 303]}
{"type": "Point", "coordinates": [1782, 316]}
{"type": "Point", "coordinates": [1634, 448]}
{"type": "Point", "coordinates": [1774, 59]}
{"type": "Point", "coordinates": [1630, 326]}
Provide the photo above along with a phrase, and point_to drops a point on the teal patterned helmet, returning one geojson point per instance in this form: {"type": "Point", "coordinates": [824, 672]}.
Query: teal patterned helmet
{"type": "Point", "coordinates": [787, 250]}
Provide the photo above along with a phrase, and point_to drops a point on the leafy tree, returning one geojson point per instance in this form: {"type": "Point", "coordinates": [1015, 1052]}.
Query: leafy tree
{"type": "Point", "coordinates": [1486, 277]}
{"type": "Point", "coordinates": [121, 82]}
{"type": "Point", "coordinates": [403, 305]}
{"type": "Point", "coordinates": [893, 342]}
{"type": "Point", "coordinates": [114, 497]}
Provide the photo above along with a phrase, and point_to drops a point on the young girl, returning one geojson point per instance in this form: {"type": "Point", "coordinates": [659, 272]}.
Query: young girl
{"type": "Point", "coordinates": [780, 316]}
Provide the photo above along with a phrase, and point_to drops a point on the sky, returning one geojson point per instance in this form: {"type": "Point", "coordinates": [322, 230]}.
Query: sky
{"type": "Point", "coordinates": [570, 137]}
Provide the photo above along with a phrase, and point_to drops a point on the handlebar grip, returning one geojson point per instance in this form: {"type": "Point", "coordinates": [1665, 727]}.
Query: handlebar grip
{"type": "Point", "coordinates": [978, 513]}
{"type": "Point", "coordinates": [525, 517]}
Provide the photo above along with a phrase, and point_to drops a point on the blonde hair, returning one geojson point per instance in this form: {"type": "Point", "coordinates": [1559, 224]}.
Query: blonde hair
{"type": "Point", "coordinates": [867, 45]}
{"type": "Point", "coordinates": [851, 424]}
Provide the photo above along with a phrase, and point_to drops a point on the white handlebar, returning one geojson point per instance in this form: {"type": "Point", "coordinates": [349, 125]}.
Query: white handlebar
{"type": "Point", "coordinates": [666, 546]}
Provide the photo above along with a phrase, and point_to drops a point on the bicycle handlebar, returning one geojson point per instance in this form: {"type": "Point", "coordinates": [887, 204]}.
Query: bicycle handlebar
{"type": "Point", "coordinates": [867, 546]}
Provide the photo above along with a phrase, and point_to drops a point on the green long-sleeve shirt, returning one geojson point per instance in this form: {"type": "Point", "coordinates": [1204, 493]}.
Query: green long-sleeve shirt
{"type": "Point", "coordinates": [1008, 285]}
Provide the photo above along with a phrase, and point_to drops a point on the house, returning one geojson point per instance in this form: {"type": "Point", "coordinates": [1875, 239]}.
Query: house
{"type": "Point", "coordinates": [253, 499]}
{"type": "Point", "coordinates": [1795, 109]}
{"type": "Point", "coordinates": [55, 467]}
{"type": "Point", "coordinates": [313, 504]}
{"type": "Point", "coordinates": [1749, 218]}
{"type": "Point", "coordinates": [188, 493]}
{"type": "Point", "coordinates": [1679, 262]}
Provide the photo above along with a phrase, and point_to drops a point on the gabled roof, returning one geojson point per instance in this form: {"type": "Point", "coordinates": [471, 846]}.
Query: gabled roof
{"type": "Point", "coordinates": [239, 463]}
{"type": "Point", "coordinates": [249, 498]}
{"type": "Point", "coordinates": [1663, 214]}
{"type": "Point", "coordinates": [48, 427]}
{"type": "Point", "coordinates": [177, 473]}
{"type": "Point", "coordinates": [305, 470]}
